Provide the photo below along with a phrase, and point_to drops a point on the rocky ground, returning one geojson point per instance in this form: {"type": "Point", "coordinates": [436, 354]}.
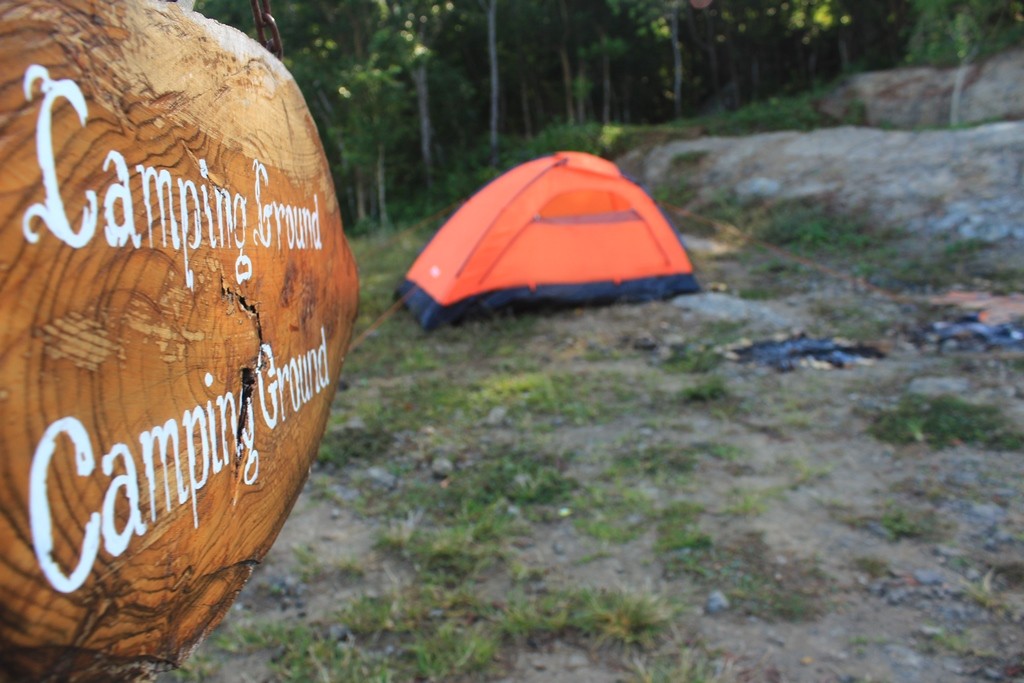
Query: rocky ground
{"type": "Point", "coordinates": [818, 547]}
{"type": "Point", "coordinates": [839, 557]}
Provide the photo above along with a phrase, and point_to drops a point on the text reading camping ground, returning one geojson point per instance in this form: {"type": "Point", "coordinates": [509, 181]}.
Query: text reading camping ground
{"type": "Point", "coordinates": [179, 208]}
{"type": "Point", "coordinates": [190, 451]}
{"type": "Point", "coordinates": [149, 475]}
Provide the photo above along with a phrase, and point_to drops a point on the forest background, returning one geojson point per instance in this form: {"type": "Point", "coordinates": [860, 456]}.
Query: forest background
{"type": "Point", "coordinates": [420, 102]}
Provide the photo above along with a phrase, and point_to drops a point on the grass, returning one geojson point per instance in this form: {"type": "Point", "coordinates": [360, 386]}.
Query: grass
{"type": "Point", "coordinates": [874, 567]}
{"type": "Point", "coordinates": [791, 591]}
{"type": "Point", "coordinates": [708, 391]}
{"type": "Point", "coordinates": [456, 552]}
{"type": "Point", "coordinates": [526, 474]}
{"type": "Point", "coordinates": [342, 443]}
{"type": "Point", "coordinates": [751, 503]}
{"type": "Point", "coordinates": [452, 651]}
{"type": "Point", "coordinates": [901, 522]}
{"type": "Point", "coordinates": [809, 231]}
{"type": "Point", "coordinates": [615, 514]}
{"type": "Point", "coordinates": [665, 458]}
{"type": "Point", "coordinates": [970, 260]}
{"type": "Point", "coordinates": [612, 456]}
{"type": "Point", "coordinates": [904, 522]}
{"type": "Point", "coordinates": [621, 617]}
{"type": "Point", "coordinates": [693, 359]}
{"type": "Point", "coordinates": [443, 633]}
{"type": "Point", "coordinates": [305, 653]}
{"type": "Point", "coordinates": [946, 421]}
{"type": "Point", "coordinates": [687, 665]}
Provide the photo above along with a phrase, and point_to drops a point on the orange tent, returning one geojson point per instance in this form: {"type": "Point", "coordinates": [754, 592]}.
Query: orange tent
{"type": "Point", "coordinates": [563, 229]}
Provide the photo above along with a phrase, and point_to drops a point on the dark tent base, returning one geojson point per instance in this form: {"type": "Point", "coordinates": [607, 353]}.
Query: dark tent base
{"type": "Point", "coordinates": [431, 315]}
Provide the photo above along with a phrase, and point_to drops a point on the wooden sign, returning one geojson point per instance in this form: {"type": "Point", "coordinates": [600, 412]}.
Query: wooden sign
{"type": "Point", "coordinates": [176, 296]}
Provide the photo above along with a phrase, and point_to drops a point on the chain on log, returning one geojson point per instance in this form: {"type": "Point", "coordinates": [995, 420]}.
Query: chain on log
{"type": "Point", "coordinates": [176, 297]}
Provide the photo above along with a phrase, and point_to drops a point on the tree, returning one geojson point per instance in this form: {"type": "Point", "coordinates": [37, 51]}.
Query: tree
{"type": "Point", "coordinates": [491, 8]}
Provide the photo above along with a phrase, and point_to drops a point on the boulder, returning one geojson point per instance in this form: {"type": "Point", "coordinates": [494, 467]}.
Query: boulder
{"type": "Point", "coordinates": [923, 96]}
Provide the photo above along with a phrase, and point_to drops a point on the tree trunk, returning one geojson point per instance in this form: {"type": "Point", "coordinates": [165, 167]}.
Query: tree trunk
{"type": "Point", "coordinates": [419, 75]}
{"type": "Point", "coordinates": [492, 55]}
{"type": "Point", "coordinates": [563, 57]}
{"type": "Point", "coordinates": [524, 101]}
{"type": "Point", "coordinates": [958, 88]}
{"type": "Point", "coordinates": [708, 44]}
{"type": "Point", "coordinates": [382, 184]}
{"type": "Point", "coordinates": [677, 62]}
{"type": "Point", "coordinates": [581, 93]}
{"type": "Point", "coordinates": [361, 198]}
{"type": "Point", "coordinates": [606, 80]}
{"type": "Point", "coordinates": [177, 348]}
{"type": "Point", "coordinates": [712, 50]}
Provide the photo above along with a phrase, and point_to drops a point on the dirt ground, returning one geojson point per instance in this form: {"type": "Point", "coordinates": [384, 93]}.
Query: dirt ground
{"type": "Point", "coordinates": [841, 557]}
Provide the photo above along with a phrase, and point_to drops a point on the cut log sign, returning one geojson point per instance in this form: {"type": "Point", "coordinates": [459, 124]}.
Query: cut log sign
{"type": "Point", "coordinates": [176, 297]}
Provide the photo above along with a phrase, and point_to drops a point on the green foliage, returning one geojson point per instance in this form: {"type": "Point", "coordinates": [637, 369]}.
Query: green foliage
{"type": "Point", "coordinates": [677, 529]}
{"type": "Point", "coordinates": [532, 616]}
{"type": "Point", "coordinates": [773, 114]}
{"type": "Point", "coordinates": [452, 554]}
{"type": "Point", "coordinates": [693, 359]}
{"type": "Point", "coordinates": [625, 618]}
{"type": "Point", "coordinates": [454, 650]}
{"type": "Point", "coordinates": [523, 477]}
{"type": "Point", "coordinates": [615, 514]}
{"type": "Point", "coordinates": [712, 389]}
{"type": "Point", "coordinates": [808, 228]}
{"type": "Point", "coordinates": [945, 421]}
{"type": "Point", "coordinates": [303, 653]}
{"type": "Point", "coordinates": [719, 451]}
{"type": "Point", "coordinates": [901, 522]}
{"type": "Point", "coordinates": [754, 584]}
{"type": "Point", "coordinates": [370, 71]}
{"type": "Point", "coordinates": [342, 444]}
{"type": "Point", "coordinates": [686, 665]}
{"type": "Point", "coordinates": [664, 458]}
{"type": "Point", "coordinates": [874, 567]}
{"type": "Point", "coordinates": [957, 31]}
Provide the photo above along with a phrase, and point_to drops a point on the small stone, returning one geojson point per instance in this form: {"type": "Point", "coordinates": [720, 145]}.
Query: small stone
{"type": "Point", "coordinates": [758, 188]}
{"type": "Point", "coordinates": [717, 602]}
{"type": "Point", "coordinates": [355, 423]}
{"type": "Point", "coordinates": [645, 344]}
{"type": "Point", "coordinates": [381, 477]}
{"type": "Point", "coordinates": [930, 631]}
{"type": "Point", "coordinates": [522, 480]}
{"type": "Point", "coordinates": [557, 548]}
{"type": "Point", "coordinates": [896, 596]}
{"type": "Point", "coordinates": [496, 417]}
{"type": "Point", "coordinates": [577, 660]}
{"type": "Point", "coordinates": [339, 633]}
{"type": "Point", "coordinates": [441, 468]}
{"type": "Point", "coordinates": [987, 513]}
{"type": "Point", "coordinates": [928, 577]}
{"type": "Point", "coordinates": [904, 656]}
{"type": "Point", "coordinates": [937, 386]}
